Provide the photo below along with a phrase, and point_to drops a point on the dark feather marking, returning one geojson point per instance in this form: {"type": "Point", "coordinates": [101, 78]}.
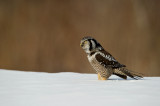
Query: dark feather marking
{"type": "Point", "coordinates": [92, 53]}
{"type": "Point", "coordinates": [91, 46]}
{"type": "Point", "coordinates": [122, 76]}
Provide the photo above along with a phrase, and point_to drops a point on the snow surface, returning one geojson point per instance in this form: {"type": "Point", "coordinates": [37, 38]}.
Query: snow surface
{"type": "Point", "coordinates": [19, 88]}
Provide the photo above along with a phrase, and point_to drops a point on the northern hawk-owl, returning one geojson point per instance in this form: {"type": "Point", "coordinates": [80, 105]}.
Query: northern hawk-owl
{"type": "Point", "coordinates": [103, 62]}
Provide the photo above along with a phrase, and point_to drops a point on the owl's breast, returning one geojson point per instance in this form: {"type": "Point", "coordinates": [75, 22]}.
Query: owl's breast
{"type": "Point", "coordinates": [99, 67]}
{"type": "Point", "coordinates": [95, 64]}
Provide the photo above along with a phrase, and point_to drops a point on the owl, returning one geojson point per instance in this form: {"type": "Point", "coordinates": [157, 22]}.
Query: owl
{"type": "Point", "coordinates": [103, 62]}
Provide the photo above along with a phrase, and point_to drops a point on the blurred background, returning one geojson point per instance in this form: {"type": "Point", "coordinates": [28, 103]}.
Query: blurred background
{"type": "Point", "coordinates": [44, 35]}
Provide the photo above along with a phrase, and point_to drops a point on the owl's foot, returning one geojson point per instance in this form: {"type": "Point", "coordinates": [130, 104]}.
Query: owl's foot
{"type": "Point", "coordinates": [101, 78]}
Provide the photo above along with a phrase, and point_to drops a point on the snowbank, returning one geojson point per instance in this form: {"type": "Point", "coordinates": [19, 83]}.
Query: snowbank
{"type": "Point", "coordinates": [19, 88]}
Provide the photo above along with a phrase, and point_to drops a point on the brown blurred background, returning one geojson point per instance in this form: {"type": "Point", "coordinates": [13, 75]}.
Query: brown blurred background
{"type": "Point", "coordinates": [44, 35]}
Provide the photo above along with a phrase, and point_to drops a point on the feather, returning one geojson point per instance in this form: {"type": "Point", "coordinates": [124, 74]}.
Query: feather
{"type": "Point", "coordinates": [129, 73]}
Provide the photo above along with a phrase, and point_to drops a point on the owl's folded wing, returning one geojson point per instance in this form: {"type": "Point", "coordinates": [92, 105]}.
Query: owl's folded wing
{"type": "Point", "coordinates": [108, 60]}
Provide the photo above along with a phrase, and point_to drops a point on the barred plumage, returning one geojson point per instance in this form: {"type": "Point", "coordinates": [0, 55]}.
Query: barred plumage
{"type": "Point", "coordinates": [103, 62]}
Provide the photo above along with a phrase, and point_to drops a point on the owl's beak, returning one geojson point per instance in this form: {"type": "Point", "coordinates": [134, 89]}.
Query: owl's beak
{"type": "Point", "coordinates": [80, 44]}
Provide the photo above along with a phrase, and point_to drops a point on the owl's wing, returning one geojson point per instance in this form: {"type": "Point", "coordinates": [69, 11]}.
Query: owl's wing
{"type": "Point", "coordinates": [108, 61]}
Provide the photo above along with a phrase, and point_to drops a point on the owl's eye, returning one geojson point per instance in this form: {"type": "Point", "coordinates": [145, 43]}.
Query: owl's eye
{"type": "Point", "coordinates": [82, 44]}
{"type": "Point", "coordinates": [85, 42]}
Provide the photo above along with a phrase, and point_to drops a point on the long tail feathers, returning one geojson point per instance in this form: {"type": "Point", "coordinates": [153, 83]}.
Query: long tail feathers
{"type": "Point", "coordinates": [129, 73]}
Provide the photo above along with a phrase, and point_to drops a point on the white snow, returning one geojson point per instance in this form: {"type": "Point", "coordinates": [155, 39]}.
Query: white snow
{"type": "Point", "coordinates": [19, 88]}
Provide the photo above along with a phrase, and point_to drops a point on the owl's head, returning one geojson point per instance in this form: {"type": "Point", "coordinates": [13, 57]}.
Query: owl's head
{"type": "Point", "coordinates": [89, 45]}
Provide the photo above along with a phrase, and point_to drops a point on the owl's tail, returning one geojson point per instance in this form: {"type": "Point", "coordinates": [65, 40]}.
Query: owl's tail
{"type": "Point", "coordinates": [123, 73]}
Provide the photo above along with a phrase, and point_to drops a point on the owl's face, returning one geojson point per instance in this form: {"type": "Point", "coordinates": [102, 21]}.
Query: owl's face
{"type": "Point", "coordinates": [89, 45]}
